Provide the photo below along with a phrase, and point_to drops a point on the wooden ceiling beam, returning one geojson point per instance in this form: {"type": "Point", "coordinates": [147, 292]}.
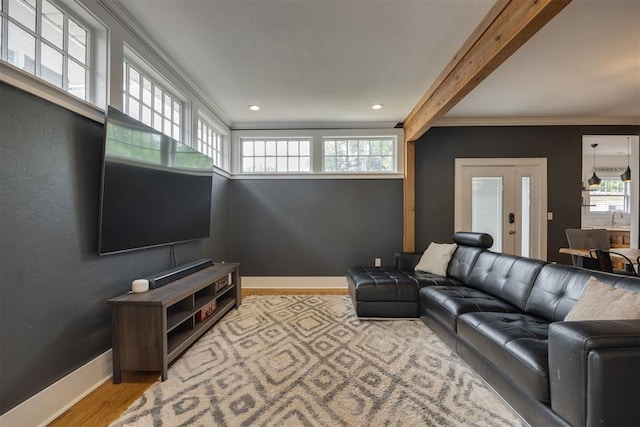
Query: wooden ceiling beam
{"type": "Point", "coordinates": [507, 26]}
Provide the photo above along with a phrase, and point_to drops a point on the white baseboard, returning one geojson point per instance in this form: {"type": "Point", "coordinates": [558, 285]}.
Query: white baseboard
{"type": "Point", "coordinates": [45, 406]}
{"type": "Point", "coordinates": [293, 282]}
{"type": "Point", "coordinates": [50, 403]}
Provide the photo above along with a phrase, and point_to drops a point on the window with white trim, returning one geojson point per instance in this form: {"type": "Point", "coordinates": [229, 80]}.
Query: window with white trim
{"type": "Point", "coordinates": [276, 155]}
{"type": "Point", "coordinates": [611, 195]}
{"type": "Point", "coordinates": [41, 38]}
{"type": "Point", "coordinates": [366, 154]}
{"type": "Point", "coordinates": [209, 142]}
{"type": "Point", "coordinates": [144, 100]}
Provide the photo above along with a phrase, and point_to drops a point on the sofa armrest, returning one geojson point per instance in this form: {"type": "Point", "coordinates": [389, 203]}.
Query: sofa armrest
{"type": "Point", "coordinates": [406, 261]}
{"type": "Point", "coordinates": [594, 372]}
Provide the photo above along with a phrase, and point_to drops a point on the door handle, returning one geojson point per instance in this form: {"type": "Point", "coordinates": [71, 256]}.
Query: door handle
{"type": "Point", "coordinates": [512, 232]}
{"type": "Point", "coordinates": [512, 217]}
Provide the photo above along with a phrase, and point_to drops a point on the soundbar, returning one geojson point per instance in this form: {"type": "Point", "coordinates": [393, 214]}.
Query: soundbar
{"type": "Point", "coordinates": [168, 276]}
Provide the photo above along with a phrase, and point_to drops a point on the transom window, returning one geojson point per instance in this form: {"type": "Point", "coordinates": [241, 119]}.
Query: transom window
{"type": "Point", "coordinates": [145, 100]}
{"type": "Point", "coordinates": [359, 154]}
{"type": "Point", "coordinates": [42, 39]}
{"type": "Point", "coordinates": [612, 194]}
{"type": "Point", "coordinates": [276, 155]}
{"type": "Point", "coordinates": [209, 142]}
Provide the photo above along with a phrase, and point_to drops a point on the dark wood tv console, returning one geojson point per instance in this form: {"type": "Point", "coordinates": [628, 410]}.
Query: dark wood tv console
{"type": "Point", "coordinates": [151, 329]}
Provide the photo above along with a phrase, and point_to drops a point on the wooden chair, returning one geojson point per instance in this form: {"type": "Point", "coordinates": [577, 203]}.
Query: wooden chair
{"type": "Point", "coordinates": [603, 259]}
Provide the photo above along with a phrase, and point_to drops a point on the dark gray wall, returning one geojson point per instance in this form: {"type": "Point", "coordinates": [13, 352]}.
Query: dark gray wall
{"type": "Point", "coordinates": [314, 227]}
{"type": "Point", "coordinates": [561, 145]}
{"type": "Point", "coordinates": [53, 285]}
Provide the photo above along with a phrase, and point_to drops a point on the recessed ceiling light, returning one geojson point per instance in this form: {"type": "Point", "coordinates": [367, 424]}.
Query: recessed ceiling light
{"type": "Point", "coordinates": [254, 107]}
{"type": "Point", "coordinates": [376, 106]}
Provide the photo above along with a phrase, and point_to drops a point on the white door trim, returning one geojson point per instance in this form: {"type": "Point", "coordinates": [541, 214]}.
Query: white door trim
{"type": "Point", "coordinates": [539, 162]}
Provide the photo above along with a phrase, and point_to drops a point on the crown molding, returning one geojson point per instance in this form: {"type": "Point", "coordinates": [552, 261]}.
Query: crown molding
{"type": "Point", "coordinates": [311, 125]}
{"type": "Point", "coordinates": [539, 121]}
{"type": "Point", "coordinates": [131, 24]}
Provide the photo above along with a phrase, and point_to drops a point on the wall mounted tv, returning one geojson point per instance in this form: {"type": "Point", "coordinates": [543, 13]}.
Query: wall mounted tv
{"type": "Point", "coordinates": [155, 190]}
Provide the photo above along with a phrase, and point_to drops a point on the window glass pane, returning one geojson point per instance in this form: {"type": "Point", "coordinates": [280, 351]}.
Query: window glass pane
{"type": "Point", "coordinates": [363, 148]}
{"type": "Point", "coordinates": [329, 148]}
{"type": "Point", "coordinates": [247, 149]}
{"type": "Point", "coordinates": [167, 106]}
{"type": "Point", "coordinates": [134, 83]}
{"type": "Point", "coordinates": [176, 112]}
{"type": "Point", "coordinates": [293, 148]}
{"type": "Point", "coordinates": [52, 24]}
{"type": "Point", "coordinates": [260, 165]}
{"type": "Point", "coordinates": [260, 148]}
{"type": "Point", "coordinates": [330, 164]}
{"type": "Point", "coordinates": [486, 208]}
{"type": "Point", "coordinates": [282, 148]}
{"type": "Point", "coordinates": [77, 42]}
{"type": "Point", "coordinates": [51, 65]}
{"type": "Point", "coordinates": [146, 91]}
{"type": "Point", "coordinates": [77, 79]}
{"type": "Point", "coordinates": [376, 147]}
{"type": "Point", "coordinates": [157, 122]}
{"type": "Point", "coordinates": [305, 148]}
{"type": "Point", "coordinates": [157, 99]}
{"type": "Point", "coordinates": [146, 115]}
{"type": "Point", "coordinates": [282, 164]}
{"type": "Point", "coordinates": [305, 164]}
{"type": "Point", "coordinates": [134, 108]}
{"type": "Point", "coordinates": [22, 49]}
{"type": "Point", "coordinates": [23, 11]}
{"type": "Point", "coordinates": [247, 164]}
{"type": "Point", "coordinates": [526, 217]}
{"type": "Point", "coordinates": [270, 164]}
{"type": "Point", "coordinates": [270, 147]}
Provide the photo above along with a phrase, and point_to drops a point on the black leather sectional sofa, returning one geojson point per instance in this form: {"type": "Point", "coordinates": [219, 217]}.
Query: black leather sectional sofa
{"type": "Point", "coordinates": [504, 315]}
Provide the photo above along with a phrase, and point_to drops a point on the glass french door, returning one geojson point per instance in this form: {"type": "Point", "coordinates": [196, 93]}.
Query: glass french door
{"type": "Point", "coordinates": [503, 201]}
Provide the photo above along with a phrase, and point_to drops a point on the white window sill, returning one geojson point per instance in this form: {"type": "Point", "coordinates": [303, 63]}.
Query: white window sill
{"type": "Point", "coordinates": [35, 86]}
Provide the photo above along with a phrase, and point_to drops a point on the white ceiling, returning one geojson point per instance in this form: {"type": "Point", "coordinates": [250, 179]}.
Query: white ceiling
{"type": "Point", "coordinates": [324, 62]}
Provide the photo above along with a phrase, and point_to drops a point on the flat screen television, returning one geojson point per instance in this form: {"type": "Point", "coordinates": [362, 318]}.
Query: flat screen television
{"type": "Point", "coordinates": [154, 190]}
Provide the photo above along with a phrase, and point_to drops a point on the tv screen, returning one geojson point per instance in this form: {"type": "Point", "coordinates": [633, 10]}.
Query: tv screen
{"type": "Point", "coordinates": [155, 190]}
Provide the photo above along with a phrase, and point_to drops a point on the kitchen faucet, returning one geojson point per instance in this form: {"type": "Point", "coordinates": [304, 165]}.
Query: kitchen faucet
{"type": "Point", "coordinates": [613, 216]}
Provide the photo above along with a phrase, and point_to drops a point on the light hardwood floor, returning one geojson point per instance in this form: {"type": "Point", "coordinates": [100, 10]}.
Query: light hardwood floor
{"type": "Point", "coordinates": [105, 404]}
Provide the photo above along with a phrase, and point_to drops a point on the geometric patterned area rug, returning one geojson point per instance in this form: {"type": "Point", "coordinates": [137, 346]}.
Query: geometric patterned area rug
{"type": "Point", "coordinates": [307, 360]}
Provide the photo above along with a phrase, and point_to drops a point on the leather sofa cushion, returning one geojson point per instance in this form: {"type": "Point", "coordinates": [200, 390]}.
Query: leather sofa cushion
{"type": "Point", "coordinates": [383, 284]}
{"type": "Point", "coordinates": [558, 287]}
{"type": "Point", "coordinates": [447, 303]}
{"type": "Point", "coordinates": [507, 277]}
{"type": "Point", "coordinates": [462, 261]}
{"type": "Point", "coordinates": [516, 343]}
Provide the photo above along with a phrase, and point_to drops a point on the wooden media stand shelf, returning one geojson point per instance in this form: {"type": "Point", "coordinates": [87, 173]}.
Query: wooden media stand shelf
{"type": "Point", "coordinates": [151, 329]}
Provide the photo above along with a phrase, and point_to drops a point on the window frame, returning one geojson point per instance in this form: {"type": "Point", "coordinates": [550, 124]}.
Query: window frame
{"type": "Point", "coordinates": [277, 140]}
{"type": "Point", "coordinates": [40, 40]}
{"type": "Point", "coordinates": [626, 196]}
{"type": "Point", "coordinates": [220, 154]}
{"type": "Point", "coordinates": [129, 61]}
{"type": "Point", "coordinates": [317, 167]}
{"type": "Point", "coordinates": [394, 153]}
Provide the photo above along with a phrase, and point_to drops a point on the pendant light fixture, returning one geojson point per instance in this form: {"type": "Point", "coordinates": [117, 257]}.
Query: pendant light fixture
{"type": "Point", "coordinates": [626, 175]}
{"type": "Point", "coordinates": [594, 180]}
